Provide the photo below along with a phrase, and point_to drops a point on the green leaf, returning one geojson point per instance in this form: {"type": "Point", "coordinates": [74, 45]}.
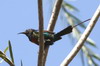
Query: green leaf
{"type": "Point", "coordinates": [90, 55]}
{"type": "Point", "coordinates": [91, 42]}
{"type": "Point", "coordinates": [4, 53]}
{"type": "Point", "coordinates": [69, 6]}
{"type": "Point", "coordinates": [73, 18]}
{"type": "Point", "coordinates": [76, 33]}
{"type": "Point", "coordinates": [90, 61]}
{"type": "Point", "coordinates": [96, 56]}
{"type": "Point", "coordinates": [10, 50]}
{"type": "Point", "coordinates": [94, 63]}
{"type": "Point", "coordinates": [3, 56]}
{"type": "Point", "coordinates": [6, 49]}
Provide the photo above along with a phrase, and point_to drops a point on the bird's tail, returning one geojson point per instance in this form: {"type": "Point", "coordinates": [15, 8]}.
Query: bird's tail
{"type": "Point", "coordinates": [63, 32]}
{"type": "Point", "coordinates": [66, 31]}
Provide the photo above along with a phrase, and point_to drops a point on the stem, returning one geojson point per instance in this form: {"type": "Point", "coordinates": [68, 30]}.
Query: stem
{"type": "Point", "coordinates": [52, 22]}
{"type": "Point", "coordinates": [83, 38]}
{"type": "Point", "coordinates": [41, 37]}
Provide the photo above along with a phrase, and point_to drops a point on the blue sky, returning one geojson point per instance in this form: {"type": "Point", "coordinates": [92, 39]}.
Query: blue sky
{"type": "Point", "coordinates": [18, 15]}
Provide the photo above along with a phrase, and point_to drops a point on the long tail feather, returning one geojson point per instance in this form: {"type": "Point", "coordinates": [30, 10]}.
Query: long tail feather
{"type": "Point", "coordinates": [66, 31]}
{"type": "Point", "coordinates": [63, 32]}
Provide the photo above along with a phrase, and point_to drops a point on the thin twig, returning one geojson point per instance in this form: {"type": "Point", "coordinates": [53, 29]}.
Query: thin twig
{"type": "Point", "coordinates": [52, 22]}
{"type": "Point", "coordinates": [41, 37]}
{"type": "Point", "coordinates": [83, 38]}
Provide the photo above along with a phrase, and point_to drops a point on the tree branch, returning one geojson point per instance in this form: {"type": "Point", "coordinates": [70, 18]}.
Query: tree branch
{"type": "Point", "coordinates": [41, 37]}
{"type": "Point", "coordinates": [52, 22]}
{"type": "Point", "coordinates": [83, 38]}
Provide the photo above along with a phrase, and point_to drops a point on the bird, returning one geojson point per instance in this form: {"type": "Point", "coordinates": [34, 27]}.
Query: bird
{"type": "Point", "coordinates": [49, 37]}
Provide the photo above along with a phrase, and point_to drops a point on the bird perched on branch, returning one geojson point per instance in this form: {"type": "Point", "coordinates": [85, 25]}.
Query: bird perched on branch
{"type": "Point", "coordinates": [49, 37]}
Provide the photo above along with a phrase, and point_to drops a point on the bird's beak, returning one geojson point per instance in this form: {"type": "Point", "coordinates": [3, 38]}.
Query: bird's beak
{"type": "Point", "coordinates": [22, 33]}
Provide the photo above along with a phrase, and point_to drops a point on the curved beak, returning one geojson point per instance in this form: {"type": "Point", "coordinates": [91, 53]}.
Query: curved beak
{"type": "Point", "coordinates": [22, 33]}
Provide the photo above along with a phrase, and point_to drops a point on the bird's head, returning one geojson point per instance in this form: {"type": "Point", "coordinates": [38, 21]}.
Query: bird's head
{"type": "Point", "coordinates": [28, 32]}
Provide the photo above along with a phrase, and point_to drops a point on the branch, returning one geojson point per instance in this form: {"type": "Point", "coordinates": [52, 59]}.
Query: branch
{"type": "Point", "coordinates": [54, 15]}
{"type": "Point", "coordinates": [52, 22]}
{"type": "Point", "coordinates": [83, 38]}
{"type": "Point", "coordinates": [41, 37]}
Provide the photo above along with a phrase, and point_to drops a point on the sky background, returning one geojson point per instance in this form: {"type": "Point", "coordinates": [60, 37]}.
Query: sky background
{"type": "Point", "coordinates": [18, 15]}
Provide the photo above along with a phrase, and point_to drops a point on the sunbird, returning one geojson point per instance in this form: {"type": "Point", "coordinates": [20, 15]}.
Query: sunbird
{"type": "Point", "coordinates": [49, 37]}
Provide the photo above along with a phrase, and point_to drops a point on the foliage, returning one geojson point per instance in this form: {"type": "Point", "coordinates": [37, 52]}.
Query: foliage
{"type": "Point", "coordinates": [5, 58]}
{"type": "Point", "coordinates": [72, 20]}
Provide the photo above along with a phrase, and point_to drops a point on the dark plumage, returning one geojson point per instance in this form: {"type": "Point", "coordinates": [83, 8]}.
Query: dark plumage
{"type": "Point", "coordinates": [49, 37]}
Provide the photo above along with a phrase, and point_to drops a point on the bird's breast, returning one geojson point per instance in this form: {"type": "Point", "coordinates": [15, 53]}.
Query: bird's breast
{"type": "Point", "coordinates": [33, 40]}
